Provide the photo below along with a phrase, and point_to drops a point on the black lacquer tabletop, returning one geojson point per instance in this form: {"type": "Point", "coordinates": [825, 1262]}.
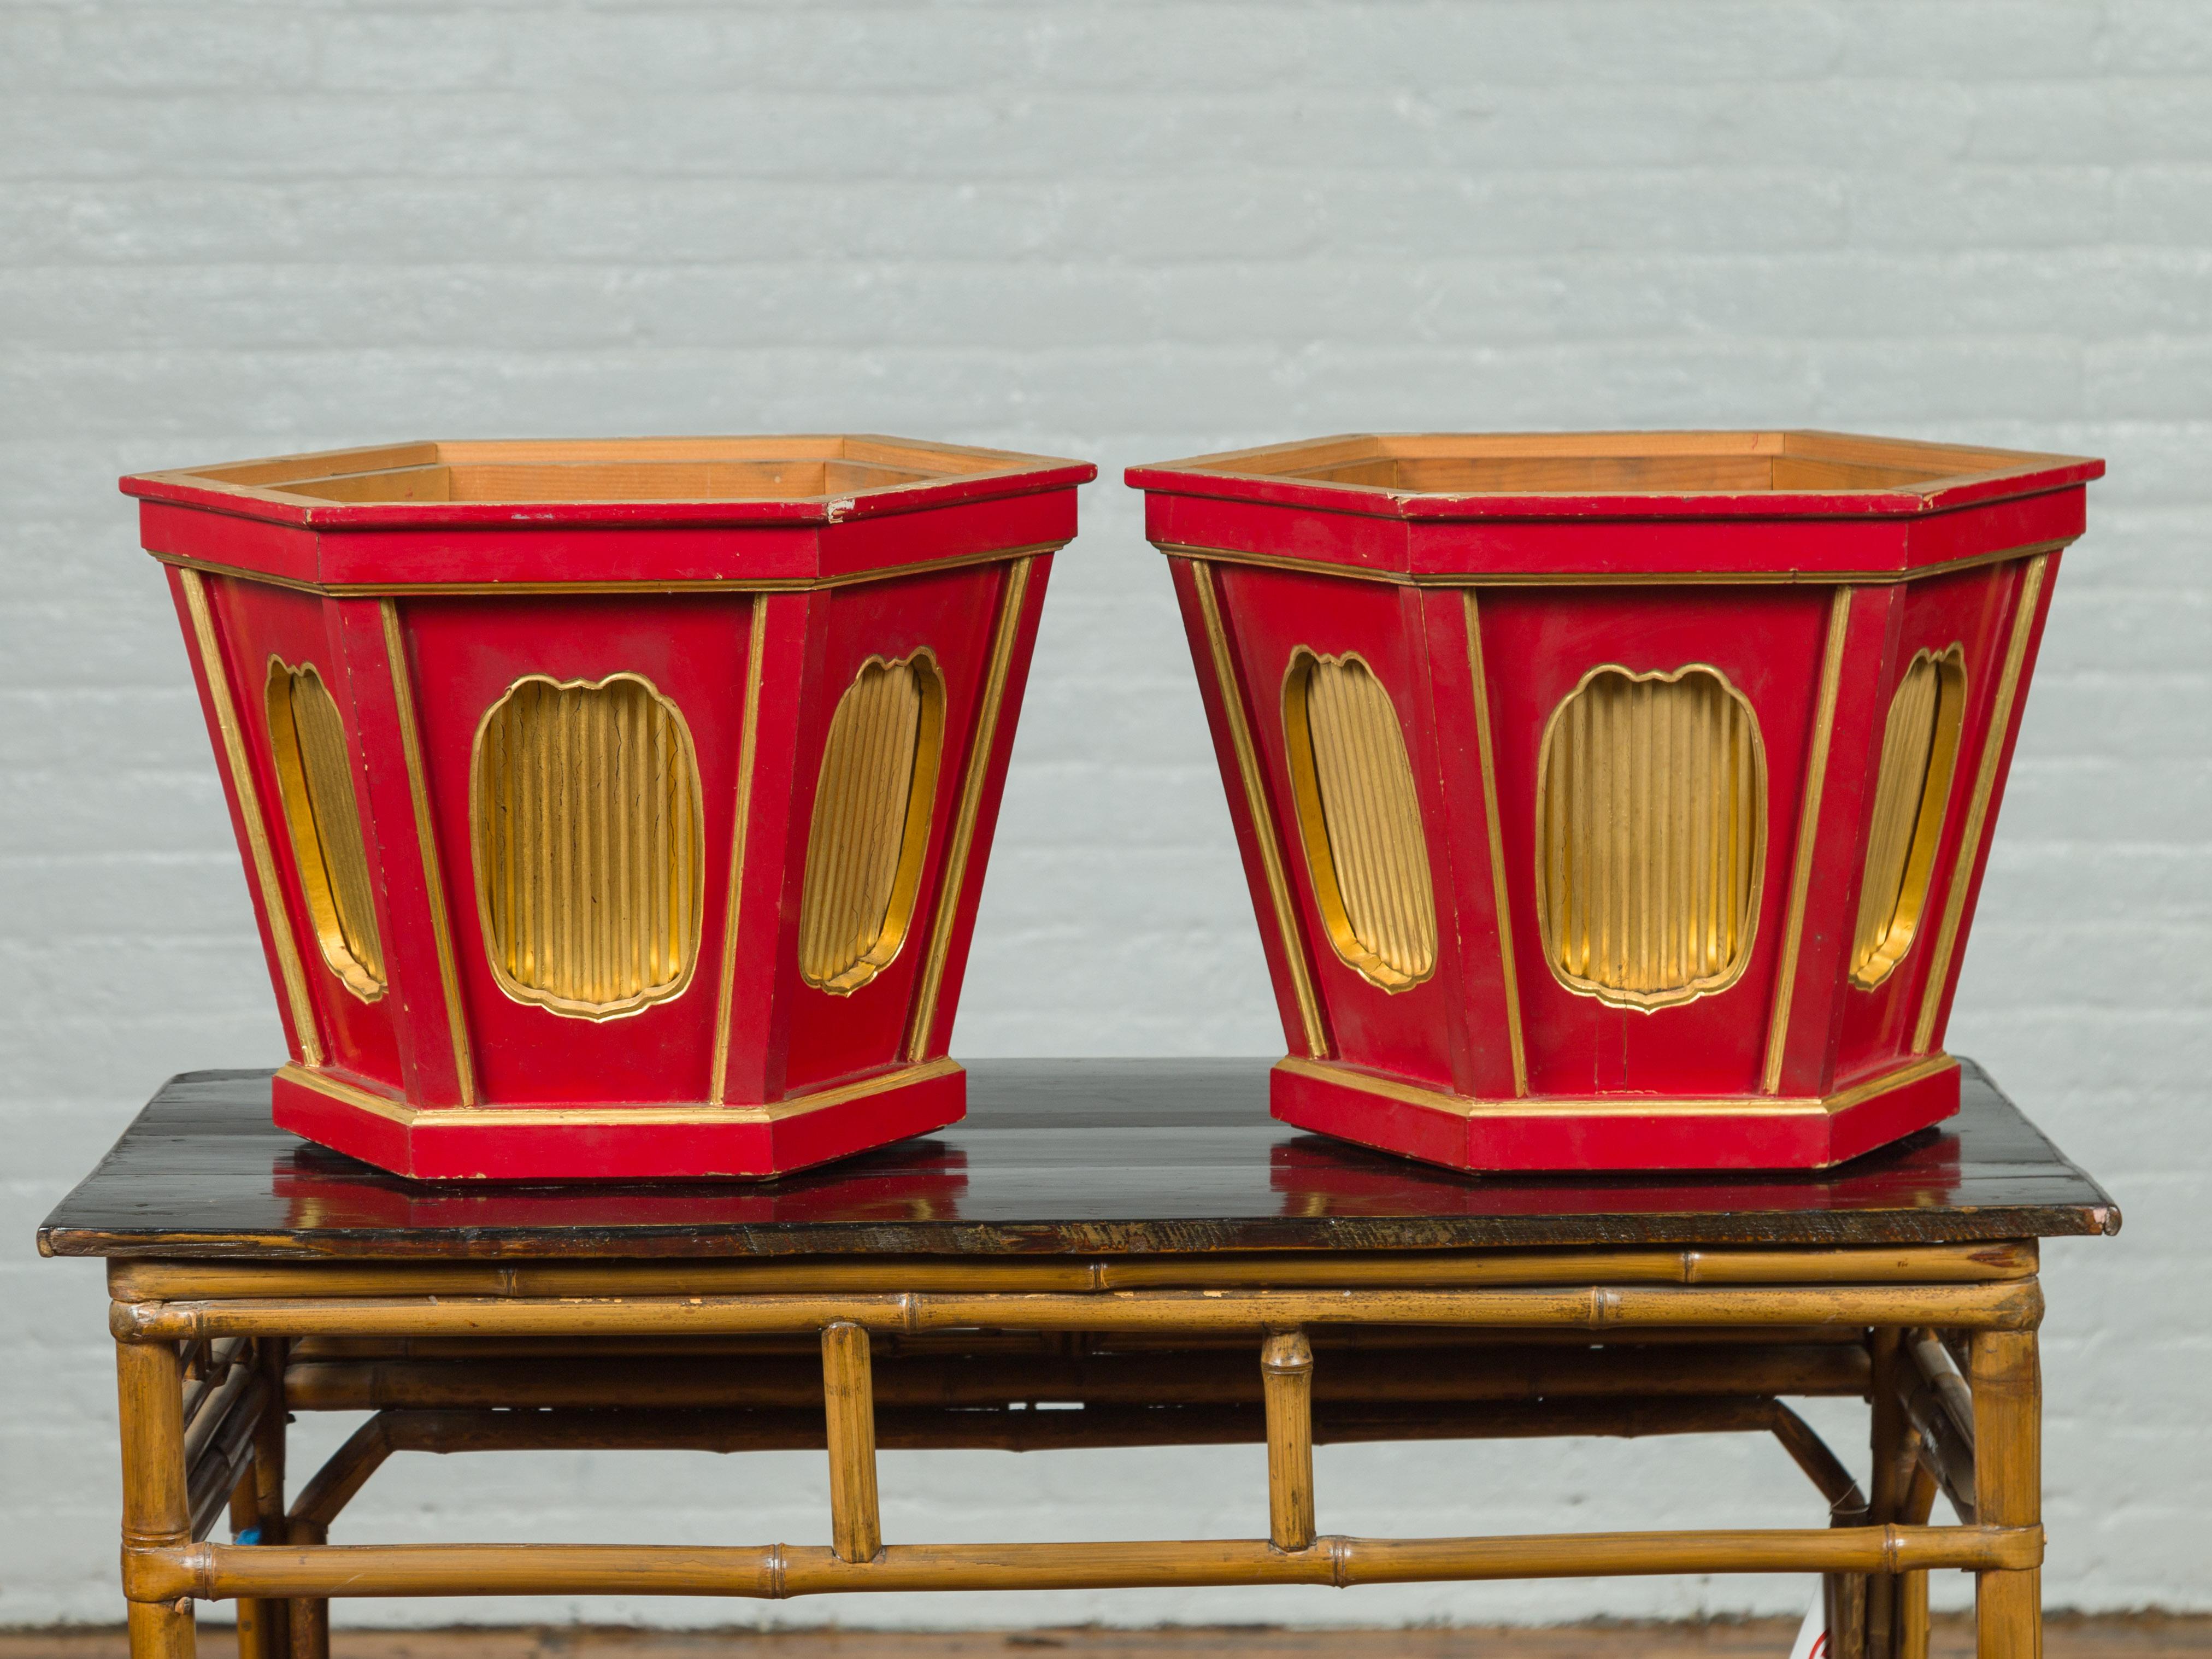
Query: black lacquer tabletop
{"type": "Point", "coordinates": [1055, 1156]}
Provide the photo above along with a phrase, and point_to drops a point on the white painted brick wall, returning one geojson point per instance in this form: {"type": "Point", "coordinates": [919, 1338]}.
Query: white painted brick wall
{"type": "Point", "coordinates": [1123, 231]}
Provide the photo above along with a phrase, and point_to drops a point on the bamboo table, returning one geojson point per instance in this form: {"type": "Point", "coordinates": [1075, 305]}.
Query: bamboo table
{"type": "Point", "coordinates": [1135, 1241]}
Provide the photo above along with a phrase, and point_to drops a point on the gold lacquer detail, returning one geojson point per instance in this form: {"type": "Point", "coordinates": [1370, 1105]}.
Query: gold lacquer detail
{"type": "Point", "coordinates": [1360, 816]}
{"type": "Point", "coordinates": [425, 843]}
{"type": "Point", "coordinates": [1650, 835]}
{"type": "Point", "coordinates": [315, 781]}
{"type": "Point", "coordinates": [1508, 962]}
{"type": "Point", "coordinates": [2026, 605]}
{"type": "Point", "coordinates": [1919, 754]}
{"type": "Point", "coordinates": [584, 820]}
{"type": "Point", "coordinates": [741, 816]}
{"type": "Point", "coordinates": [1630, 1106]}
{"type": "Point", "coordinates": [952, 878]}
{"type": "Point", "coordinates": [873, 807]}
{"type": "Point", "coordinates": [1809, 839]}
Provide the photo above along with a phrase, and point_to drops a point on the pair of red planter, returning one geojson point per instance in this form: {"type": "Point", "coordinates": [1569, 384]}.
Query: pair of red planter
{"type": "Point", "coordinates": [1609, 801]}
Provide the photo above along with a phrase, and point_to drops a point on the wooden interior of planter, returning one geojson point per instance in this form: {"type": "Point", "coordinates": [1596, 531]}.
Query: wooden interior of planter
{"type": "Point", "coordinates": [623, 470]}
{"type": "Point", "coordinates": [1577, 463]}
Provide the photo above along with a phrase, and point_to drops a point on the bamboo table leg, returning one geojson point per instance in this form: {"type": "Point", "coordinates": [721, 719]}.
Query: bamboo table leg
{"type": "Point", "coordinates": [1912, 1615]}
{"type": "Point", "coordinates": [1287, 1382]}
{"type": "Point", "coordinates": [309, 1619]}
{"type": "Point", "coordinates": [302, 1628]}
{"type": "Point", "coordinates": [269, 1622]}
{"type": "Point", "coordinates": [1887, 1442]}
{"type": "Point", "coordinates": [1844, 1596]}
{"type": "Point", "coordinates": [245, 1524]}
{"type": "Point", "coordinates": [150, 1400]}
{"type": "Point", "coordinates": [849, 1396]}
{"type": "Point", "coordinates": [2007, 1389]}
{"type": "Point", "coordinates": [1918, 1502]}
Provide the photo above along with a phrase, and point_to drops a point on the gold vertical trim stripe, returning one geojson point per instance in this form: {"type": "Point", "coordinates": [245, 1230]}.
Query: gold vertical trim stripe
{"type": "Point", "coordinates": [1359, 816]}
{"type": "Point", "coordinates": [748, 744]}
{"type": "Point", "coordinates": [426, 842]}
{"type": "Point", "coordinates": [1255, 802]}
{"type": "Point", "coordinates": [1911, 795]}
{"type": "Point", "coordinates": [874, 798]}
{"type": "Point", "coordinates": [315, 792]}
{"type": "Point", "coordinates": [1497, 888]}
{"type": "Point", "coordinates": [1650, 835]}
{"type": "Point", "coordinates": [1977, 812]}
{"type": "Point", "coordinates": [1809, 837]}
{"type": "Point", "coordinates": [953, 877]}
{"type": "Point", "coordinates": [249, 812]}
{"type": "Point", "coordinates": [585, 824]}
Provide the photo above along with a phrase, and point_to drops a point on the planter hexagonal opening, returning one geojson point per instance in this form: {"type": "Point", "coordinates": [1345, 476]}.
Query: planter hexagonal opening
{"type": "Point", "coordinates": [1615, 801]}
{"type": "Point", "coordinates": [614, 808]}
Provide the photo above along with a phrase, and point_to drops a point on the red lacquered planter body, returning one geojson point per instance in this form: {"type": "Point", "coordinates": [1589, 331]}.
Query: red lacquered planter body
{"type": "Point", "coordinates": [614, 809]}
{"type": "Point", "coordinates": [1615, 801]}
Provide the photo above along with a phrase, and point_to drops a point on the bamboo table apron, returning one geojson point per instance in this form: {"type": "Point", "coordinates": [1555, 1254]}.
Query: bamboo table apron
{"type": "Point", "coordinates": [1136, 1242]}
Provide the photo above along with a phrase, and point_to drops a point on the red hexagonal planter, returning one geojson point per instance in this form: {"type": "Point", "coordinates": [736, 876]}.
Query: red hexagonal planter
{"type": "Point", "coordinates": [614, 808]}
{"type": "Point", "coordinates": [1615, 801]}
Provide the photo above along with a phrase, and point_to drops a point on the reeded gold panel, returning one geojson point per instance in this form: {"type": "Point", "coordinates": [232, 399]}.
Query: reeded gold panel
{"type": "Point", "coordinates": [314, 776]}
{"type": "Point", "coordinates": [872, 806]}
{"type": "Point", "coordinates": [585, 825]}
{"type": "Point", "coordinates": [1650, 835]}
{"type": "Point", "coordinates": [1919, 754]}
{"type": "Point", "coordinates": [1360, 816]}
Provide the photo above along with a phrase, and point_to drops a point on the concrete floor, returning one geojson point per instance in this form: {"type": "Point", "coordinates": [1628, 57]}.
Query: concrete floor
{"type": "Point", "coordinates": [2143, 1637]}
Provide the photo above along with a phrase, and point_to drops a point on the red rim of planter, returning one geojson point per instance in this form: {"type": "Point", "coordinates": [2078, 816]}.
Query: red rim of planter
{"type": "Point", "coordinates": [1947, 475]}
{"type": "Point", "coordinates": [292, 488]}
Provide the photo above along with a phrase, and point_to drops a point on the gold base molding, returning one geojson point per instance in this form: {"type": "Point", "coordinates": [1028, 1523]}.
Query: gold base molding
{"type": "Point", "coordinates": [521, 1117]}
{"type": "Point", "coordinates": [1438, 1100]}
